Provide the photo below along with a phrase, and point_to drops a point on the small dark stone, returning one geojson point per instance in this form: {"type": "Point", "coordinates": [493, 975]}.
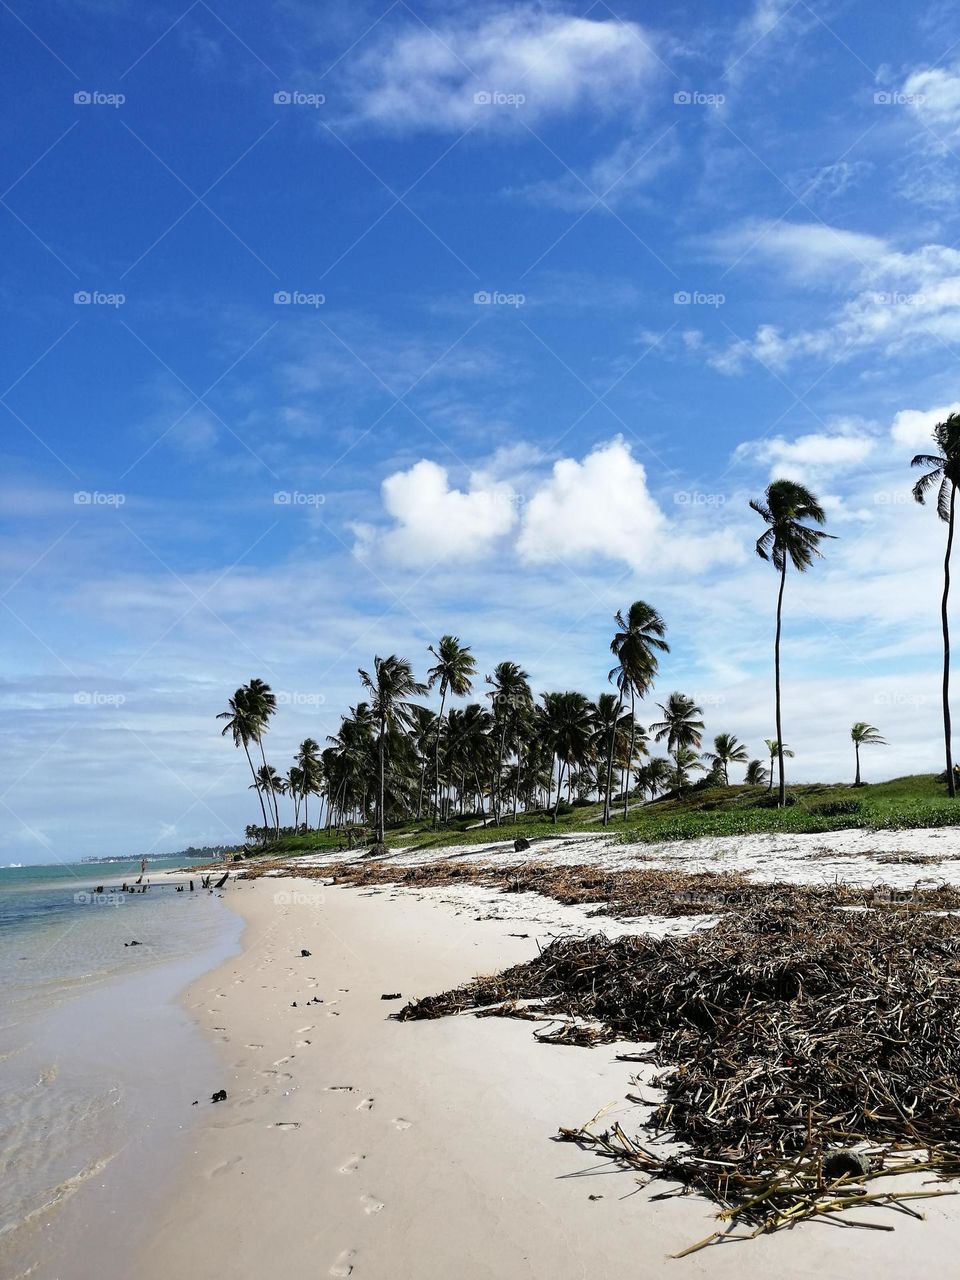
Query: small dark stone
{"type": "Point", "coordinates": [294, 1005]}
{"type": "Point", "coordinates": [132, 944]}
{"type": "Point", "coordinates": [195, 1102]}
{"type": "Point", "coordinates": [391, 995]}
{"type": "Point", "coordinates": [520, 844]}
{"type": "Point", "coordinates": [304, 952]}
{"type": "Point", "coordinates": [238, 857]}
{"type": "Point", "coordinates": [838, 1163]}
{"type": "Point", "coordinates": [219, 1096]}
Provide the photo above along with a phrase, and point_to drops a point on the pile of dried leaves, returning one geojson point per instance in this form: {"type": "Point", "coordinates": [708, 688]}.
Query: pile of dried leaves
{"type": "Point", "coordinates": [791, 1034]}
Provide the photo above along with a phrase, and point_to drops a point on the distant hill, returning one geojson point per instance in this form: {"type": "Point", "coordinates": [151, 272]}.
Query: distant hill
{"type": "Point", "coordinates": [195, 855]}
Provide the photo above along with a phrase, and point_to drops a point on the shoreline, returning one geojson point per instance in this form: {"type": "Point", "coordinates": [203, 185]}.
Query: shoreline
{"type": "Point", "coordinates": [351, 1144]}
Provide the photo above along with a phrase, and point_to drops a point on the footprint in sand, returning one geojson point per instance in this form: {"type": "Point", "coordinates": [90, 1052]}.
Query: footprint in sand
{"type": "Point", "coordinates": [400, 1123]}
{"type": "Point", "coordinates": [286, 1124]}
{"type": "Point", "coordinates": [254, 1046]}
{"type": "Point", "coordinates": [225, 1167]}
{"type": "Point", "coordinates": [365, 1105]}
{"type": "Point", "coordinates": [303, 1030]}
{"type": "Point", "coordinates": [302, 1044]}
{"type": "Point", "coordinates": [371, 1204]}
{"type": "Point", "coordinates": [344, 1263]}
{"type": "Point", "coordinates": [352, 1165]}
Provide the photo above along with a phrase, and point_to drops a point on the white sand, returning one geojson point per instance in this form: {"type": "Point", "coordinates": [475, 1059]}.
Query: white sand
{"type": "Point", "coordinates": [437, 1160]}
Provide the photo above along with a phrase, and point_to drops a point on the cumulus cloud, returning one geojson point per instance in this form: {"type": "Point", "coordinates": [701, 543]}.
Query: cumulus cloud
{"type": "Point", "coordinates": [449, 76]}
{"type": "Point", "coordinates": [913, 428]}
{"type": "Point", "coordinates": [934, 93]}
{"type": "Point", "coordinates": [810, 457]}
{"type": "Point", "coordinates": [435, 522]}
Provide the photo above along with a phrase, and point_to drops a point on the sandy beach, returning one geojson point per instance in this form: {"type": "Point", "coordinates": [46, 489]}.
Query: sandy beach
{"type": "Point", "coordinates": [352, 1144]}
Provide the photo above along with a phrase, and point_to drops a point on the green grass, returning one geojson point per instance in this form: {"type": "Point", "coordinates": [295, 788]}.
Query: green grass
{"type": "Point", "coordinates": [917, 801]}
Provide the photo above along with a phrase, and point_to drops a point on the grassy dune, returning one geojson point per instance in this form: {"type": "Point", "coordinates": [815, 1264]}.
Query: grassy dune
{"type": "Point", "coordinates": [916, 801]}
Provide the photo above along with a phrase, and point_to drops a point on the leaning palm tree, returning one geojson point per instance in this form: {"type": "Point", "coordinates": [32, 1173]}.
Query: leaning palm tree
{"type": "Point", "coordinates": [241, 724]}
{"type": "Point", "coordinates": [727, 750]}
{"type": "Point", "coordinates": [864, 735]}
{"type": "Point", "coordinates": [635, 646]}
{"type": "Point", "coordinates": [774, 751]}
{"type": "Point", "coordinates": [756, 774]}
{"type": "Point", "coordinates": [391, 685]}
{"type": "Point", "coordinates": [784, 506]}
{"type": "Point", "coordinates": [944, 471]}
{"type": "Point", "coordinates": [262, 703]}
{"type": "Point", "coordinates": [681, 728]}
{"type": "Point", "coordinates": [454, 668]}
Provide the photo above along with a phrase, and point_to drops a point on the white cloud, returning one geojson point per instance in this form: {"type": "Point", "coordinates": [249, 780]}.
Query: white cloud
{"type": "Point", "coordinates": [434, 522]}
{"type": "Point", "coordinates": [619, 176]}
{"type": "Point", "coordinates": [934, 93]}
{"type": "Point", "coordinates": [428, 77]}
{"type": "Point", "coordinates": [811, 253]}
{"type": "Point", "coordinates": [913, 428]}
{"type": "Point", "coordinates": [808, 458]}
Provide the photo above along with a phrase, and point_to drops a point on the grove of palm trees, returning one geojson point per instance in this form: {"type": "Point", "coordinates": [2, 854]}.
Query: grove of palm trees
{"type": "Point", "coordinates": [495, 749]}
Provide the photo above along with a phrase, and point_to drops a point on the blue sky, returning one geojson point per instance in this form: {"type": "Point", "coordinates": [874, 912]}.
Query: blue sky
{"type": "Point", "coordinates": [331, 328]}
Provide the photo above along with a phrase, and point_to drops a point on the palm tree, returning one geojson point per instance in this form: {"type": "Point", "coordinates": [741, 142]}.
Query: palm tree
{"type": "Point", "coordinates": [269, 783]}
{"type": "Point", "coordinates": [864, 735]}
{"type": "Point", "coordinates": [308, 762]}
{"type": "Point", "coordinates": [680, 727]}
{"type": "Point", "coordinates": [774, 751]}
{"type": "Point", "coordinates": [454, 668]}
{"type": "Point", "coordinates": [945, 470]}
{"type": "Point", "coordinates": [510, 694]}
{"type": "Point", "coordinates": [684, 760]}
{"type": "Point", "coordinates": [756, 774]}
{"type": "Point", "coordinates": [784, 506]}
{"type": "Point", "coordinates": [242, 725]}
{"type": "Point", "coordinates": [635, 646]}
{"type": "Point", "coordinates": [391, 686]}
{"type": "Point", "coordinates": [727, 750]}
{"type": "Point", "coordinates": [568, 728]}
{"type": "Point", "coordinates": [261, 703]}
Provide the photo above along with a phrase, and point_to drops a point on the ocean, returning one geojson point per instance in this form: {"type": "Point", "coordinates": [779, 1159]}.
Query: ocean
{"type": "Point", "coordinates": [99, 1063]}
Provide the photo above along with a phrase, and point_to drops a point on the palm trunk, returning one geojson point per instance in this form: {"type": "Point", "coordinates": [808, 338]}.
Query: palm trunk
{"type": "Point", "coordinates": [381, 824]}
{"type": "Point", "coordinates": [256, 784]}
{"type": "Point", "coordinates": [556, 807]}
{"type": "Point", "coordinates": [613, 739]}
{"type": "Point", "coordinates": [776, 662]}
{"type": "Point", "coordinates": [633, 735]}
{"type": "Point", "coordinates": [856, 747]}
{"type": "Point", "coordinates": [436, 755]}
{"type": "Point", "coordinates": [770, 779]}
{"type": "Point", "coordinates": [273, 798]}
{"type": "Point", "coordinates": [951, 784]}
{"type": "Point", "coordinates": [496, 794]}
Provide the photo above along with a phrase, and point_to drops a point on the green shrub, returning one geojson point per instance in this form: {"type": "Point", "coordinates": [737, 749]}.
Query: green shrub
{"type": "Point", "coordinates": [836, 808]}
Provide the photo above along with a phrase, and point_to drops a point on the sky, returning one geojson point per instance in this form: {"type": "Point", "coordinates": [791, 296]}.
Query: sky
{"type": "Point", "coordinates": [331, 328]}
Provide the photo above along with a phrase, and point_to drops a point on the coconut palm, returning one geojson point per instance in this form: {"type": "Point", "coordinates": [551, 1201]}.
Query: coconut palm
{"type": "Point", "coordinates": [241, 724]}
{"type": "Point", "coordinates": [309, 764]}
{"type": "Point", "coordinates": [454, 668]}
{"type": "Point", "coordinates": [944, 471]}
{"type": "Point", "coordinates": [269, 783]}
{"type": "Point", "coordinates": [510, 695]}
{"type": "Point", "coordinates": [679, 726]}
{"type": "Point", "coordinates": [864, 735]}
{"type": "Point", "coordinates": [785, 505]}
{"type": "Point", "coordinates": [756, 774]}
{"type": "Point", "coordinates": [774, 752]}
{"type": "Point", "coordinates": [568, 729]}
{"type": "Point", "coordinates": [685, 760]}
{"type": "Point", "coordinates": [635, 646]}
{"type": "Point", "coordinates": [727, 750]}
{"type": "Point", "coordinates": [391, 686]}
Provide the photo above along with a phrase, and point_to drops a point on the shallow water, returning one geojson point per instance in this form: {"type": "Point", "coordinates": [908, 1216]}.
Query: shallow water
{"type": "Point", "coordinates": [97, 1060]}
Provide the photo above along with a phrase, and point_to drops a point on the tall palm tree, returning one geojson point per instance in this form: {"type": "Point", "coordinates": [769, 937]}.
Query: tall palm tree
{"type": "Point", "coordinates": [241, 724]}
{"type": "Point", "coordinates": [864, 735]}
{"type": "Point", "coordinates": [510, 694]}
{"type": "Point", "coordinates": [269, 783]}
{"type": "Point", "coordinates": [727, 750]}
{"type": "Point", "coordinates": [635, 647]}
{"type": "Point", "coordinates": [785, 505]}
{"type": "Point", "coordinates": [945, 471]}
{"type": "Point", "coordinates": [309, 764]}
{"type": "Point", "coordinates": [568, 728]}
{"type": "Point", "coordinates": [453, 671]}
{"type": "Point", "coordinates": [391, 686]}
{"type": "Point", "coordinates": [774, 751]}
{"type": "Point", "coordinates": [681, 728]}
{"type": "Point", "coordinates": [262, 703]}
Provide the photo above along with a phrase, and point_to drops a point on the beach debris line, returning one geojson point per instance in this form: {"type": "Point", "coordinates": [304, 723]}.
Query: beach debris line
{"type": "Point", "coordinates": [807, 1054]}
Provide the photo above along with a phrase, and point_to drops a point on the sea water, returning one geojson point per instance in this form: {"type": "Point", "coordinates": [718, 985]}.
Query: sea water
{"type": "Point", "coordinates": [99, 1064]}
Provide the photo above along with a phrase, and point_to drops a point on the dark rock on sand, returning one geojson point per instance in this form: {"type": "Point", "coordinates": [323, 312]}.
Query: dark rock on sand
{"type": "Point", "coordinates": [219, 1096]}
{"type": "Point", "coordinates": [520, 844]}
{"type": "Point", "coordinates": [838, 1163]}
{"type": "Point", "coordinates": [305, 952]}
